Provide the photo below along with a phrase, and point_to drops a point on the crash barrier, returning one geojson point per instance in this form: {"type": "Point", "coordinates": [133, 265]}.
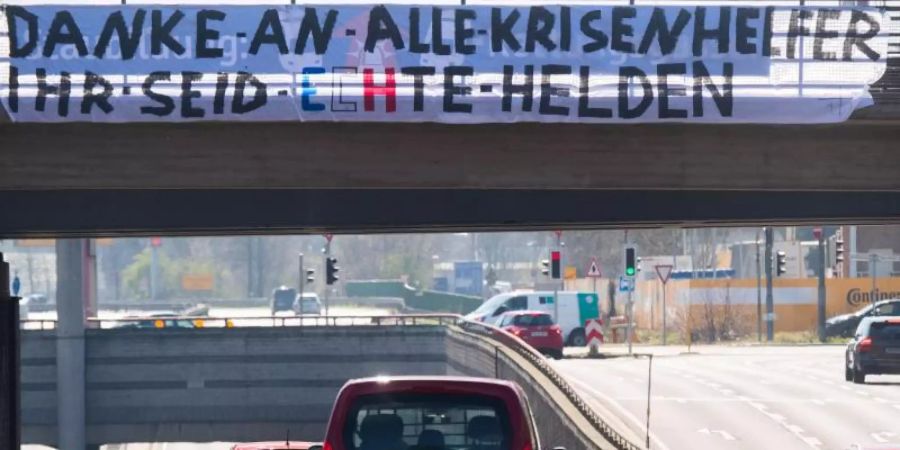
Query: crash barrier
{"type": "Point", "coordinates": [485, 350]}
{"type": "Point", "coordinates": [193, 321]}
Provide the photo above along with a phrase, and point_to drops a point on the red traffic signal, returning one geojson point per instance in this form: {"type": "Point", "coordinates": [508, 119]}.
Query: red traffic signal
{"type": "Point", "coordinates": [555, 260]}
{"type": "Point", "coordinates": [156, 241]}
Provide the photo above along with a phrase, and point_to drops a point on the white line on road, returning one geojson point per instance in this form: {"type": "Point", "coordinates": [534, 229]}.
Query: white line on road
{"type": "Point", "coordinates": [624, 412]}
{"type": "Point", "coordinates": [725, 435]}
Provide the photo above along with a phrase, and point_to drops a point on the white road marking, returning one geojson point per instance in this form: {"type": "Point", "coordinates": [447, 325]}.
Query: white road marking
{"type": "Point", "coordinates": [819, 402]}
{"type": "Point", "coordinates": [863, 393]}
{"type": "Point", "coordinates": [897, 406]}
{"type": "Point", "coordinates": [725, 435]}
{"type": "Point", "coordinates": [882, 436]}
{"type": "Point", "coordinates": [880, 400]}
{"type": "Point", "coordinates": [622, 411]}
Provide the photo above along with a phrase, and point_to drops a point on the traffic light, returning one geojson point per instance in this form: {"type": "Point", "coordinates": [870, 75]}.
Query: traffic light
{"type": "Point", "coordinates": [639, 268]}
{"type": "Point", "coordinates": [780, 263]}
{"type": "Point", "coordinates": [631, 261]}
{"type": "Point", "coordinates": [555, 262]}
{"type": "Point", "coordinates": [838, 251]}
{"type": "Point", "coordinates": [331, 270]}
{"type": "Point", "coordinates": [545, 267]}
{"type": "Point", "coordinates": [310, 275]}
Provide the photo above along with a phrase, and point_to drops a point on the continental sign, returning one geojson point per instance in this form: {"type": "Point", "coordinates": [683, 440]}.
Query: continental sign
{"type": "Point", "coordinates": [858, 297]}
{"type": "Point", "coordinates": [453, 64]}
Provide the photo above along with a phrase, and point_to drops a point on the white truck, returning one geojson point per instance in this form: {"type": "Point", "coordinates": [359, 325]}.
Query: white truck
{"type": "Point", "coordinates": [575, 308]}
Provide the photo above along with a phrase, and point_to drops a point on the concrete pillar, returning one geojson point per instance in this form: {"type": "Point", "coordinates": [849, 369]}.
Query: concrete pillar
{"type": "Point", "coordinates": [70, 362]}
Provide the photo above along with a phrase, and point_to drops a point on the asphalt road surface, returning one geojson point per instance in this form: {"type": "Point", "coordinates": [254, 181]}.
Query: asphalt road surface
{"type": "Point", "coordinates": [743, 398]}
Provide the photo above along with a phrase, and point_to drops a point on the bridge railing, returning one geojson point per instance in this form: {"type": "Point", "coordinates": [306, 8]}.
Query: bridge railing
{"type": "Point", "coordinates": [254, 321]}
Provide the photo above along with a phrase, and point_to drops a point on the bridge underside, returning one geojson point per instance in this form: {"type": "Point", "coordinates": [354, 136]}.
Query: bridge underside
{"type": "Point", "coordinates": [67, 179]}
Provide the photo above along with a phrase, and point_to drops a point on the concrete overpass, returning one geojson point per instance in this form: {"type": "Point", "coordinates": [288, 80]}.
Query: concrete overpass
{"type": "Point", "coordinates": [245, 384]}
{"type": "Point", "coordinates": [91, 178]}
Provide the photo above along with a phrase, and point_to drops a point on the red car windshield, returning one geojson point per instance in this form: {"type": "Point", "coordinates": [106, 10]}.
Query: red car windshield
{"type": "Point", "coordinates": [430, 422]}
{"type": "Point", "coordinates": [532, 320]}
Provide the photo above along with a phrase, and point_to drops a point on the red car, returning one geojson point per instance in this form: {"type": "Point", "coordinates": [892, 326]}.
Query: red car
{"type": "Point", "coordinates": [536, 328]}
{"type": "Point", "coordinates": [431, 413]}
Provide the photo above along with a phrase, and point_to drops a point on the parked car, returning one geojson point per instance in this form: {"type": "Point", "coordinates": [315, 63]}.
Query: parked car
{"type": "Point", "coordinates": [575, 308]}
{"type": "Point", "coordinates": [283, 299]}
{"type": "Point", "coordinates": [431, 413]}
{"type": "Point", "coordinates": [874, 350]}
{"type": "Point", "coordinates": [37, 299]}
{"type": "Point", "coordinates": [308, 303]}
{"type": "Point", "coordinates": [537, 329]}
{"type": "Point", "coordinates": [845, 324]}
{"type": "Point", "coordinates": [278, 445]}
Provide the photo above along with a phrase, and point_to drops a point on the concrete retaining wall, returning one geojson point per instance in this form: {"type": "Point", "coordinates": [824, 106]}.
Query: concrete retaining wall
{"type": "Point", "coordinates": [239, 384]}
{"type": "Point", "coordinates": [249, 384]}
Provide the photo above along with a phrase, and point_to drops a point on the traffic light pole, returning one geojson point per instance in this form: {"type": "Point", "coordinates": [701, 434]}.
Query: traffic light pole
{"type": "Point", "coordinates": [770, 302]}
{"type": "Point", "coordinates": [301, 284]}
{"type": "Point", "coordinates": [556, 285]}
{"type": "Point", "coordinates": [821, 309]}
{"type": "Point", "coordinates": [327, 285]}
{"type": "Point", "coordinates": [10, 369]}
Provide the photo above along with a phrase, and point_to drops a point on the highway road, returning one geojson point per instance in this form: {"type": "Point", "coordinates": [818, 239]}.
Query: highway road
{"type": "Point", "coordinates": [743, 398]}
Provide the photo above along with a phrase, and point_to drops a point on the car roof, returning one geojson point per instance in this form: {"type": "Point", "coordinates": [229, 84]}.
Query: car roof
{"type": "Point", "coordinates": [890, 300]}
{"type": "Point", "coordinates": [275, 445]}
{"type": "Point", "coordinates": [877, 319]}
{"type": "Point", "coordinates": [437, 383]}
{"type": "Point", "coordinates": [526, 313]}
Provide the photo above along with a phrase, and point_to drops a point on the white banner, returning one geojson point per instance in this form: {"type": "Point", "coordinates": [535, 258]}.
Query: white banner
{"type": "Point", "coordinates": [453, 64]}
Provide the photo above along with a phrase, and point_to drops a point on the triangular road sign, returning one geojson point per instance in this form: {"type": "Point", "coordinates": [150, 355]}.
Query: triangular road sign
{"type": "Point", "coordinates": [594, 270]}
{"type": "Point", "coordinates": [663, 271]}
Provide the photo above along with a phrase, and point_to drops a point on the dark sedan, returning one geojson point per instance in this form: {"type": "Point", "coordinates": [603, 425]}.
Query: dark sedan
{"type": "Point", "coordinates": [874, 350]}
{"type": "Point", "coordinates": [845, 324]}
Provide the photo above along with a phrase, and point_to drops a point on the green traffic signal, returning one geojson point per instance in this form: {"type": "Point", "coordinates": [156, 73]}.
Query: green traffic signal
{"type": "Point", "coordinates": [629, 271]}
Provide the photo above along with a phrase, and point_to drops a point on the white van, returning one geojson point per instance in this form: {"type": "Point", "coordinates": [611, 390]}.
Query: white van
{"type": "Point", "coordinates": [575, 308]}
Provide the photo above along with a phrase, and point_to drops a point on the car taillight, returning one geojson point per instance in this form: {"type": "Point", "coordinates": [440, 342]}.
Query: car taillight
{"type": "Point", "coordinates": [327, 446]}
{"type": "Point", "coordinates": [527, 446]}
{"type": "Point", "coordinates": [864, 345]}
{"type": "Point", "coordinates": [556, 330]}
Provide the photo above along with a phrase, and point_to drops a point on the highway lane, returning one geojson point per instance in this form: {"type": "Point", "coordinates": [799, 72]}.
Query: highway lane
{"type": "Point", "coordinates": [744, 398]}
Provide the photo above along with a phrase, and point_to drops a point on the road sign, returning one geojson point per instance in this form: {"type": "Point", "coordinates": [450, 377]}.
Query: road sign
{"type": "Point", "coordinates": [626, 284]}
{"type": "Point", "coordinates": [593, 329]}
{"type": "Point", "coordinates": [197, 282]}
{"type": "Point", "coordinates": [16, 285]}
{"type": "Point", "coordinates": [328, 236]}
{"type": "Point", "coordinates": [570, 273]}
{"type": "Point", "coordinates": [594, 270]}
{"type": "Point", "coordinates": [663, 271]}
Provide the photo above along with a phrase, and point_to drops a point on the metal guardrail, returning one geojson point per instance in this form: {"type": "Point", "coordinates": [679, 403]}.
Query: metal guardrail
{"type": "Point", "coordinates": [539, 361]}
{"type": "Point", "coordinates": [247, 322]}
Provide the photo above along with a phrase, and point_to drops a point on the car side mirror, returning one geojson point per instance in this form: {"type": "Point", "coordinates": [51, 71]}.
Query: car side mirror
{"type": "Point", "coordinates": [876, 312]}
